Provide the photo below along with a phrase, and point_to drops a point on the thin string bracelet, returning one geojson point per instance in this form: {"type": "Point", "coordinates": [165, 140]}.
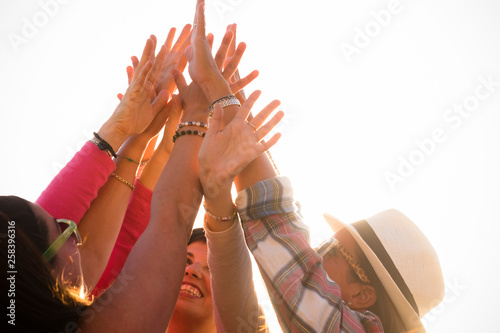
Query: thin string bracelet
{"type": "Point", "coordinates": [131, 186]}
{"type": "Point", "coordinates": [142, 163]}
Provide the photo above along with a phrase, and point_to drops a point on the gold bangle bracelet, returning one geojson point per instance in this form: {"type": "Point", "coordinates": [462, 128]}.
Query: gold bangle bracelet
{"type": "Point", "coordinates": [131, 186]}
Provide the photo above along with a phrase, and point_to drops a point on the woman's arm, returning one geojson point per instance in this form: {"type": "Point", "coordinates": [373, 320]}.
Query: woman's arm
{"type": "Point", "coordinates": [234, 298]}
{"type": "Point", "coordinates": [156, 263]}
{"type": "Point", "coordinates": [224, 154]}
{"type": "Point", "coordinates": [101, 224]}
{"type": "Point", "coordinates": [305, 299]}
{"type": "Point", "coordinates": [72, 190]}
{"type": "Point", "coordinates": [138, 211]}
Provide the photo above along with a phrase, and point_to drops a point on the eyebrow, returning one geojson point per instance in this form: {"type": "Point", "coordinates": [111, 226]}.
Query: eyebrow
{"type": "Point", "coordinates": [190, 254]}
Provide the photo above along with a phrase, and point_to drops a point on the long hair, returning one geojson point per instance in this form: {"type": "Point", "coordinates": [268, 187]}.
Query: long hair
{"type": "Point", "coordinates": [41, 303]}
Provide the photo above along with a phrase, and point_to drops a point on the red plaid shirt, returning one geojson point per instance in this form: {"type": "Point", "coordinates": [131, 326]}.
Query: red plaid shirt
{"type": "Point", "coordinates": [304, 297]}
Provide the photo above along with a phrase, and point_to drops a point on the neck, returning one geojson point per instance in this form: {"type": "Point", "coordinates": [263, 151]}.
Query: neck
{"type": "Point", "coordinates": [181, 324]}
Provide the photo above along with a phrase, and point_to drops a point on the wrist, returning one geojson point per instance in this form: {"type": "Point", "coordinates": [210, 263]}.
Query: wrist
{"type": "Point", "coordinates": [216, 89]}
{"type": "Point", "coordinates": [112, 135]}
{"type": "Point", "coordinates": [215, 185]}
{"type": "Point", "coordinates": [195, 114]}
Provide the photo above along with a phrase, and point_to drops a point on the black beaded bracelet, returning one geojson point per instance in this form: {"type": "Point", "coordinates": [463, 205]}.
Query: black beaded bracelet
{"type": "Point", "coordinates": [188, 132]}
{"type": "Point", "coordinates": [103, 145]}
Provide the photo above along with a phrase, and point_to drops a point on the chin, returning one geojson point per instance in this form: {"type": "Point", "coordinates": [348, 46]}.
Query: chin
{"type": "Point", "coordinates": [192, 308]}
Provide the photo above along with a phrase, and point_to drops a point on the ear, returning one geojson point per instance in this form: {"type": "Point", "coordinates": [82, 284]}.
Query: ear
{"type": "Point", "coordinates": [364, 297]}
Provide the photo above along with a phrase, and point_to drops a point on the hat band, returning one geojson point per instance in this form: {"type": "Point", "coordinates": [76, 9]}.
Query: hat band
{"type": "Point", "coordinates": [370, 237]}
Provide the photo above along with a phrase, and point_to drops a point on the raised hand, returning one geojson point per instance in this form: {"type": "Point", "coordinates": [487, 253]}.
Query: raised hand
{"type": "Point", "coordinates": [175, 58]}
{"type": "Point", "coordinates": [227, 60]}
{"type": "Point", "coordinates": [202, 67]}
{"type": "Point", "coordinates": [192, 98]}
{"type": "Point", "coordinates": [136, 109]}
{"type": "Point", "coordinates": [225, 153]}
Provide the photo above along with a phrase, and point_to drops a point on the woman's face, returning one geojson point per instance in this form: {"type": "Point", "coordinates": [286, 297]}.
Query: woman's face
{"type": "Point", "coordinates": [195, 296]}
{"type": "Point", "coordinates": [338, 268]}
{"type": "Point", "coordinates": [67, 262]}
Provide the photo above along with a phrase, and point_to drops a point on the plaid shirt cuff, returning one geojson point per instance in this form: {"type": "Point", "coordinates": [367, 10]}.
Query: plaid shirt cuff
{"type": "Point", "coordinates": [265, 198]}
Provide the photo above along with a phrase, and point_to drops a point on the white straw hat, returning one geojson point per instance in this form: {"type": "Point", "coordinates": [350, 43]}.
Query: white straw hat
{"type": "Point", "coordinates": [403, 260]}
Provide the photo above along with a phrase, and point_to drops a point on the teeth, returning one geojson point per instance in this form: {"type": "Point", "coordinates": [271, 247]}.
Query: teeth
{"type": "Point", "coordinates": [190, 290]}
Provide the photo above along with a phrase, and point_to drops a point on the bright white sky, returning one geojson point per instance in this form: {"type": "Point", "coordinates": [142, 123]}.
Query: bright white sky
{"type": "Point", "coordinates": [353, 116]}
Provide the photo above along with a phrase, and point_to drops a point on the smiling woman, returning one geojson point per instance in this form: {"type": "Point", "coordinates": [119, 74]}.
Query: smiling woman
{"type": "Point", "coordinates": [194, 311]}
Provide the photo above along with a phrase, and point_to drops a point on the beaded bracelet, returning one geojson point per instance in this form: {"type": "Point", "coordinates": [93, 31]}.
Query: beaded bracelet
{"type": "Point", "coordinates": [223, 101]}
{"type": "Point", "coordinates": [103, 145]}
{"type": "Point", "coordinates": [131, 186]}
{"type": "Point", "coordinates": [223, 219]}
{"type": "Point", "coordinates": [188, 132]}
{"type": "Point", "coordinates": [142, 163]}
{"type": "Point", "coordinates": [191, 123]}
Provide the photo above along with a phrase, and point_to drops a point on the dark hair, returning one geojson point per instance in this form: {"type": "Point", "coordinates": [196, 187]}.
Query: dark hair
{"type": "Point", "coordinates": [42, 303]}
{"type": "Point", "coordinates": [383, 307]}
{"type": "Point", "coordinates": [198, 235]}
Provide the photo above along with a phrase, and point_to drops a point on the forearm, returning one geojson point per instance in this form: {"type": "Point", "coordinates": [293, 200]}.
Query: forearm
{"type": "Point", "coordinates": [148, 302]}
{"type": "Point", "coordinates": [72, 190]}
{"type": "Point", "coordinates": [259, 169]}
{"type": "Point", "coordinates": [277, 237]}
{"type": "Point", "coordinates": [152, 171]}
{"type": "Point", "coordinates": [134, 223]}
{"type": "Point", "coordinates": [101, 224]}
{"type": "Point", "coordinates": [234, 297]}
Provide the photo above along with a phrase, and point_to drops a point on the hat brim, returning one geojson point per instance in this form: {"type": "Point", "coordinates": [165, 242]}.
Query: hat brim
{"type": "Point", "coordinates": [408, 315]}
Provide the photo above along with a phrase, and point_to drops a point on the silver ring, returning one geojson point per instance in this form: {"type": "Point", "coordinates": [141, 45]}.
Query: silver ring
{"type": "Point", "coordinates": [254, 128]}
